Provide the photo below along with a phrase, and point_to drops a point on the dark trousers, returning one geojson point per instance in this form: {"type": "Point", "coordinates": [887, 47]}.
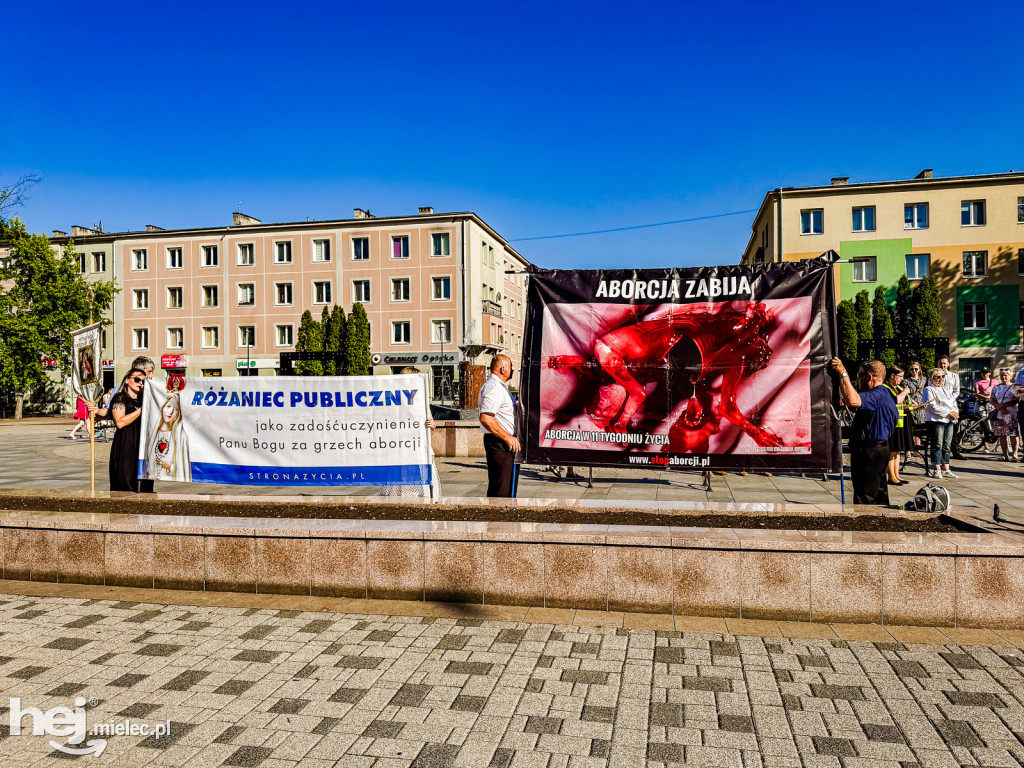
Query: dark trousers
{"type": "Point", "coordinates": [868, 463]}
{"type": "Point", "coordinates": [500, 467]}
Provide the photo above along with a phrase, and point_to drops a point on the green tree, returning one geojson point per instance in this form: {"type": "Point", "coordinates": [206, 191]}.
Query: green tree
{"type": "Point", "coordinates": [325, 334]}
{"type": "Point", "coordinates": [46, 298]}
{"type": "Point", "coordinates": [334, 340]}
{"type": "Point", "coordinates": [846, 320]}
{"type": "Point", "coordinates": [901, 319]}
{"type": "Point", "coordinates": [357, 344]}
{"type": "Point", "coordinates": [881, 326]}
{"type": "Point", "coordinates": [310, 339]}
{"type": "Point", "coordinates": [925, 317]}
{"type": "Point", "coordinates": [862, 313]}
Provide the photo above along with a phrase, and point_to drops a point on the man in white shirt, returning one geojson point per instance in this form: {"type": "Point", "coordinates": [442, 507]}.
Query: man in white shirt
{"type": "Point", "coordinates": [951, 384]}
{"type": "Point", "coordinates": [498, 422]}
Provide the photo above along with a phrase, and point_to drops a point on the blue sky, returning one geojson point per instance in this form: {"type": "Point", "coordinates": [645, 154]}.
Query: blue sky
{"type": "Point", "coordinates": [542, 118]}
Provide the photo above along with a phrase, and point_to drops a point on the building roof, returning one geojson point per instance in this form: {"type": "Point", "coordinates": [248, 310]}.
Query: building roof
{"type": "Point", "coordinates": [270, 227]}
{"type": "Point", "coordinates": [920, 181]}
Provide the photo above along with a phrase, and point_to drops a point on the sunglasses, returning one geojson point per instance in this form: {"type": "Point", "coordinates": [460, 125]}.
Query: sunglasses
{"type": "Point", "coordinates": [137, 380]}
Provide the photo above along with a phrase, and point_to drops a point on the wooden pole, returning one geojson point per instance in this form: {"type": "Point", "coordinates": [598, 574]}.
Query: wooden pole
{"type": "Point", "coordinates": [92, 455]}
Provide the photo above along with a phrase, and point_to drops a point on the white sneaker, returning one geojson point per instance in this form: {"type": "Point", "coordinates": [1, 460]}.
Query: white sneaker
{"type": "Point", "coordinates": [935, 474]}
{"type": "Point", "coordinates": [949, 474]}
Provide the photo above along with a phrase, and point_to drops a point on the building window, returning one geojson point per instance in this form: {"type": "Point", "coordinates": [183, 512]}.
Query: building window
{"type": "Point", "coordinates": [284, 336]}
{"type": "Point", "coordinates": [322, 292]}
{"type": "Point", "coordinates": [283, 252]}
{"type": "Point", "coordinates": [400, 247]}
{"type": "Point", "coordinates": [210, 258]}
{"type": "Point", "coordinates": [322, 250]}
{"type": "Point", "coordinates": [283, 295]}
{"type": "Point", "coordinates": [915, 216]}
{"type": "Point", "coordinates": [1020, 210]}
{"type": "Point", "coordinates": [211, 334]}
{"type": "Point", "coordinates": [917, 265]}
{"type": "Point", "coordinates": [401, 332]}
{"type": "Point", "coordinates": [976, 317]}
{"type": "Point", "coordinates": [140, 338]}
{"type": "Point", "coordinates": [361, 291]}
{"type": "Point", "coordinates": [140, 260]}
{"type": "Point", "coordinates": [175, 298]}
{"type": "Point", "coordinates": [442, 288]}
{"type": "Point", "coordinates": [864, 270]}
{"type": "Point", "coordinates": [864, 219]}
{"type": "Point", "coordinates": [441, 331]}
{"type": "Point", "coordinates": [211, 295]}
{"type": "Point", "coordinates": [83, 263]}
{"type": "Point", "coordinates": [812, 222]}
{"type": "Point", "coordinates": [247, 336]}
{"type": "Point", "coordinates": [360, 249]}
{"type": "Point", "coordinates": [400, 289]}
{"type": "Point", "coordinates": [975, 263]}
{"type": "Point", "coordinates": [175, 338]}
{"type": "Point", "coordinates": [246, 255]}
{"type": "Point", "coordinates": [140, 298]}
{"type": "Point", "coordinates": [246, 294]}
{"type": "Point", "coordinates": [99, 261]}
{"type": "Point", "coordinates": [1020, 262]}
{"type": "Point", "coordinates": [440, 244]}
{"type": "Point", "coordinates": [174, 260]}
{"type": "Point", "coordinates": [972, 213]}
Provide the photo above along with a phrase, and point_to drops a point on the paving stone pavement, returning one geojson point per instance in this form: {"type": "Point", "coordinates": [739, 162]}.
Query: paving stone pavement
{"type": "Point", "coordinates": [275, 688]}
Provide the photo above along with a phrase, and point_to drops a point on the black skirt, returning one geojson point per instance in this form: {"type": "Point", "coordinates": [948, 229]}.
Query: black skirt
{"type": "Point", "coordinates": [124, 452]}
{"type": "Point", "coordinates": [902, 438]}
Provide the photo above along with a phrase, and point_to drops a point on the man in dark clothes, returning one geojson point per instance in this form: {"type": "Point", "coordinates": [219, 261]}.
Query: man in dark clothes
{"type": "Point", "coordinates": [875, 420]}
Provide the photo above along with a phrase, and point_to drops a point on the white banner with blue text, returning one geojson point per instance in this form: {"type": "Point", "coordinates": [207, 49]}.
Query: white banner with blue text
{"type": "Point", "coordinates": [287, 430]}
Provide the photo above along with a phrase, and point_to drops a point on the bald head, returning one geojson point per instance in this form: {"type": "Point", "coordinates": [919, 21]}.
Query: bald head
{"type": "Point", "coordinates": [502, 365]}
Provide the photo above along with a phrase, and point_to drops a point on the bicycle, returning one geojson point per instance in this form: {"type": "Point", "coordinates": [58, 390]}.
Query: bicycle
{"type": "Point", "coordinates": [974, 430]}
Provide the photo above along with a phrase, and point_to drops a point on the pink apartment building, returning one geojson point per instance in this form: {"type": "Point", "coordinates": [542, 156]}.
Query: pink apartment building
{"type": "Point", "coordinates": [227, 301]}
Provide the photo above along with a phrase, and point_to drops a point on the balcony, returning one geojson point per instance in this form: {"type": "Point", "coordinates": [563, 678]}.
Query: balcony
{"type": "Point", "coordinates": [492, 308]}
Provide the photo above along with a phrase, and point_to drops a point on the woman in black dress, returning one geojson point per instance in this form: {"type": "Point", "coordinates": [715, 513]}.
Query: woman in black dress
{"type": "Point", "coordinates": [902, 438]}
{"type": "Point", "coordinates": [126, 408]}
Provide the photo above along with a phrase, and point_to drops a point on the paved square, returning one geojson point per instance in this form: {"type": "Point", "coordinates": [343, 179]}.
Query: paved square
{"type": "Point", "coordinates": [271, 688]}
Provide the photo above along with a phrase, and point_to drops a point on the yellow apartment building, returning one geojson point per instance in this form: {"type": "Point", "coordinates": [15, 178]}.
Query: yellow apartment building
{"type": "Point", "coordinates": [967, 232]}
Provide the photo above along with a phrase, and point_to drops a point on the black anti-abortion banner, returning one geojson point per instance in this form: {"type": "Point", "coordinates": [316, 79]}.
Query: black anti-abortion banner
{"type": "Point", "coordinates": [709, 368]}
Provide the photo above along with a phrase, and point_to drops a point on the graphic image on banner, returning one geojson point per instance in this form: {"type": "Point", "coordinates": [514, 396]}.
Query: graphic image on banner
{"type": "Point", "coordinates": [708, 368]}
{"type": "Point", "coordinates": [85, 363]}
{"type": "Point", "coordinates": [287, 430]}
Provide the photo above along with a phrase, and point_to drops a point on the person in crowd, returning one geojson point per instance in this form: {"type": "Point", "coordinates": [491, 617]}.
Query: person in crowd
{"type": "Point", "coordinates": [1005, 422]}
{"type": "Point", "coordinates": [915, 381]}
{"type": "Point", "coordinates": [902, 438]}
{"type": "Point", "coordinates": [872, 427]}
{"type": "Point", "coordinates": [498, 422]}
{"type": "Point", "coordinates": [148, 367]}
{"type": "Point", "coordinates": [82, 414]}
{"type": "Point", "coordinates": [432, 491]}
{"type": "Point", "coordinates": [983, 385]}
{"type": "Point", "coordinates": [141, 362]}
{"type": "Point", "coordinates": [126, 408]}
{"type": "Point", "coordinates": [941, 414]}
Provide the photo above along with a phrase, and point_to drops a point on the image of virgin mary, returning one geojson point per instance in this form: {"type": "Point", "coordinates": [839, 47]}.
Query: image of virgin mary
{"type": "Point", "coordinates": [168, 456]}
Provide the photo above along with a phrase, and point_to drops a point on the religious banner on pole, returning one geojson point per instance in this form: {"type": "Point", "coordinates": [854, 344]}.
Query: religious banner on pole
{"type": "Point", "coordinates": [287, 430]}
{"type": "Point", "coordinates": [85, 363]}
{"type": "Point", "coordinates": [696, 369]}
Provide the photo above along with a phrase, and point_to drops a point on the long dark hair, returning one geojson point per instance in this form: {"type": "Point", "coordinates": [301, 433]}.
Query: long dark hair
{"type": "Point", "coordinates": [122, 393]}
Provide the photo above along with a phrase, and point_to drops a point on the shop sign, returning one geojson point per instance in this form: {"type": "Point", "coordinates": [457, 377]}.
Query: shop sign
{"type": "Point", "coordinates": [173, 361]}
{"type": "Point", "coordinates": [414, 358]}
